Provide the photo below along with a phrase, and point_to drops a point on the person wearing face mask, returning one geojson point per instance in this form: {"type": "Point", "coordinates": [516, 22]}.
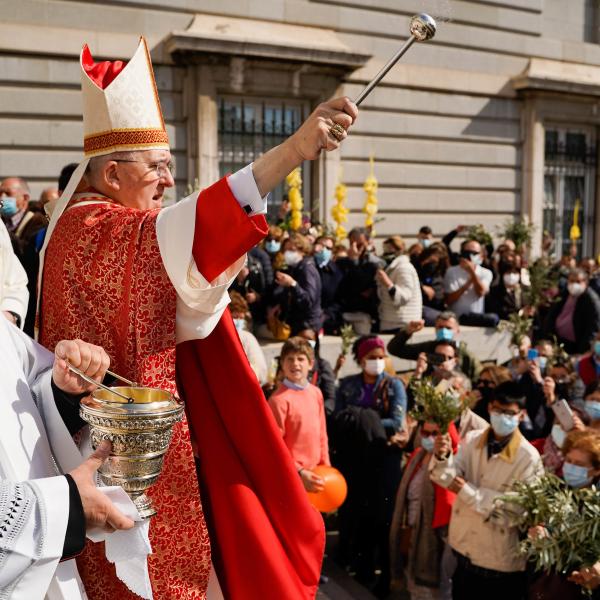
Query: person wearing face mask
{"type": "Point", "coordinates": [588, 366]}
{"type": "Point", "coordinates": [431, 266]}
{"type": "Point", "coordinates": [13, 282]}
{"type": "Point", "coordinates": [272, 243]}
{"type": "Point", "coordinates": [575, 319]}
{"type": "Point", "coordinates": [21, 222]}
{"type": "Point", "coordinates": [506, 296]}
{"type": "Point", "coordinates": [398, 288]}
{"type": "Point", "coordinates": [322, 374]}
{"type": "Point", "coordinates": [420, 522]}
{"type": "Point", "coordinates": [425, 237]}
{"type": "Point", "coordinates": [23, 225]}
{"type": "Point", "coordinates": [466, 286]}
{"type": "Point", "coordinates": [486, 465]}
{"type": "Point", "coordinates": [242, 318]}
{"type": "Point", "coordinates": [297, 293]}
{"type": "Point", "coordinates": [591, 403]}
{"type": "Point", "coordinates": [357, 292]}
{"type": "Point", "coordinates": [331, 276]}
{"type": "Point", "coordinates": [551, 446]}
{"type": "Point", "coordinates": [442, 360]}
{"type": "Point", "coordinates": [446, 328]}
{"type": "Point", "coordinates": [581, 468]}
{"type": "Point", "coordinates": [490, 377]}
{"type": "Point", "coordinates": [370, 410]}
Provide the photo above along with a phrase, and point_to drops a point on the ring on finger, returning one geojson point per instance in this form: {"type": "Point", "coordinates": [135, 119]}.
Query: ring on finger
{"type": "Point", "coordinates": [337, 131]}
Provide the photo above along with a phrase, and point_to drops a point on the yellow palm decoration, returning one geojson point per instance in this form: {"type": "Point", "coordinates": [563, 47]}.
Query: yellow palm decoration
{"type": "Point", "coordinates": [340, 211]}
{"type": "Point", "coordinates": [575, 232]}
{"type": "Point", "coordinates": [294, 183]}
{"type": "Point", "coordinates": [370, 187]}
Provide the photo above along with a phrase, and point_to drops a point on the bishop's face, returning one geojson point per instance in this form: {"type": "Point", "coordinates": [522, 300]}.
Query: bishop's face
{"type": "Point", "coordinates": [143, 178]}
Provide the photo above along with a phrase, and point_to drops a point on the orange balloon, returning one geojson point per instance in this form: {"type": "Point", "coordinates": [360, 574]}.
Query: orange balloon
{"type": "Point", "coordinates": [335, 491]}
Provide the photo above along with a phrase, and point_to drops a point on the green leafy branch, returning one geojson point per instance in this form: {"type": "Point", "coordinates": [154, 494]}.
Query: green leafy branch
{"type": "Point", "coordinates": [480, 234]}
{"type": "Point", "coordinates": [571, 518]}
{"type": "Point", "coordinates": [436, 404]}
{"type": "Point", "coordinates": [347, 334]}
{"type": "Point", "coordinates": [518, 325]}
{"type": "Point", "coordinates": [519, 231]}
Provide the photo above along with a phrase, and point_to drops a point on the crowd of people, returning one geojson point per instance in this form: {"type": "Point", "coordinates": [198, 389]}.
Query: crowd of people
{"type": "Point", "coordinates": [420, 512]}
{"type": "Point", "coordinates": [420, 516]}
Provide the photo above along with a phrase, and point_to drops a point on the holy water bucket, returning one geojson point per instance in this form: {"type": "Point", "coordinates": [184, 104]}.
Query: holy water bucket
{"type": "Point", "coordinates": [138, 421]}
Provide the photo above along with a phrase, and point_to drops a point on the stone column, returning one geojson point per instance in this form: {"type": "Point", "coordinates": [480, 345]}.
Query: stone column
{"type": "Point", "coordinates": [207, 131]}
{"type": "Point", "coordinates": [532, 191]}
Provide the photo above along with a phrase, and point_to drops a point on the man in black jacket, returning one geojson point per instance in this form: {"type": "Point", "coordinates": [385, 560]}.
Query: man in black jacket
{"type": "Point", "coordinates": [446, 329]}
{"type": "Point", "coordinates": [357, 292]}
{"type": "Point", "coordinates": [331, 276]}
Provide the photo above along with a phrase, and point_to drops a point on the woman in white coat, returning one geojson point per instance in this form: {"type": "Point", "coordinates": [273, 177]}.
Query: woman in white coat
{"type": "Point", "coordinates": [398, 288]}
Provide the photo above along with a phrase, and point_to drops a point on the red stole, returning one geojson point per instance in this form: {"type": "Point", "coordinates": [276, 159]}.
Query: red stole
{"type": "Point", "coordinates": [268, 541]}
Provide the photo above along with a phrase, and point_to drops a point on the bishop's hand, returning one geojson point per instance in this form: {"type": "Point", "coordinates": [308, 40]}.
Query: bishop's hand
{"type": "Point", "coordinates": [315, 134]}
{"type": "Point", "coordinates": [91, 360]}
{"type": "Point", "coordinates": [324, 129]}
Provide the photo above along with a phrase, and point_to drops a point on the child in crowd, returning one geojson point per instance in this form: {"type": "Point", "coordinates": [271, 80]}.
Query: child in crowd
{"type": "Point", "coordinates": [299, 412]}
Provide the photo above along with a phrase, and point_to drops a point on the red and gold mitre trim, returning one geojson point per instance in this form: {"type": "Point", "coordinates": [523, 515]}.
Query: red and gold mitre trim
{"type": "Point", "coordinates": [125, 139]}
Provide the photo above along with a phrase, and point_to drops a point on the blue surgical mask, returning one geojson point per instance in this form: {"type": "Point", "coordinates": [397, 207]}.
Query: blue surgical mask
{"type": "Point", "coordinates": [503, 425]}
{"type": "Point", "coordinates": [592, 408]}
{"type": "Point", "coordinates": [576, 476]}
{"type": "Point", "coordinates": [240, 324]}
{"type": "Point", "coordinates": [477, 260]}
{"type": "Point", "coordinates": [322, 257]}
{"type": "Point", "coordinates": [597, 348]}
{"type": "Point", "coordinates": [543, 361]}
{"type": "Point", "coordinates": [558, 435]}
{"type": "Point", "coordinates": [444, 334]}
{"type": "Point", "coordinates": [272, 246]}
{"type": "Point", "coordinates": [427, 443]}
{"type": "Point", "coordinates": [9, 206]}
{"type": "Point", "coordinates": [426, 242]}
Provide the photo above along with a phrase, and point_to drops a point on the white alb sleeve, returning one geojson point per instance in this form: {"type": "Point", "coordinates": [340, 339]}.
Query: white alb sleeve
{"type": "Point", "coordinates": [243, 187]}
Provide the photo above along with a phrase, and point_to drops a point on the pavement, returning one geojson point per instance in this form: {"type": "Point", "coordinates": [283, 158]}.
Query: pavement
{"type": "Point", "coordinates": [340, 585]}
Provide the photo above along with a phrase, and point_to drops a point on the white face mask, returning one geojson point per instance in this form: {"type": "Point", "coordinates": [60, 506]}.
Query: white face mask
{"type": "Point", "coordinates": [375, 366]}
{"type": "Point", "coordinates": [477, 260]}
{"type": "Point", "coordinates": [292, 257]}
{"type": "Point", "coordinates": [511, 279]}
{"type": "Point", "coordinates": [576, 289]}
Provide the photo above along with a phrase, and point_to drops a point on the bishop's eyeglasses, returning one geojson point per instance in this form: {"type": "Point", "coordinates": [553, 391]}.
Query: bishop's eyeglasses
{"type": "Point", "coordinates": [160, 168]}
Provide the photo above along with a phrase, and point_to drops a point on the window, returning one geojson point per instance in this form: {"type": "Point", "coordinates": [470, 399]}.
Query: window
{"type": "Point", "coordinates": [569, 173]}
{"type": "Point", "coordinates": [249, 127]}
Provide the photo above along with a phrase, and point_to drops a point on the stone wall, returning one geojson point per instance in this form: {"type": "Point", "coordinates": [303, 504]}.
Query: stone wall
{"type": "Point", "coordinates": [445, 128]}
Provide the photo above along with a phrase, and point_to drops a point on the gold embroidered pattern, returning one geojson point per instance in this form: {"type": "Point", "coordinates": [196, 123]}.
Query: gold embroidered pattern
{"type": "Point", "coordinates": [124, 137]}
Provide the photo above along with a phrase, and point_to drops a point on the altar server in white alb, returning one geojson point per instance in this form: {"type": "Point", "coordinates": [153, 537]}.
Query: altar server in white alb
{"type": "Point", "coordinates": [44, 514]}
{"type": "Point", "coordinates": [13, 281]}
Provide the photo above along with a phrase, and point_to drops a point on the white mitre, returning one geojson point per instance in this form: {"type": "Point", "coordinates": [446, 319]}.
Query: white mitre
{"type": "Point", "coordinates": [121, 112]}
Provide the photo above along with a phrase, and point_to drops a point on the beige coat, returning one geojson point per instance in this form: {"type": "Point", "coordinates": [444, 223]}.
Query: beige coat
{"type": "Point", "coordinates": [478, 530]}
{"type": "Point", "coordinates": [470, 421]}
{"type": "Point", "coordinates": [407, 303]}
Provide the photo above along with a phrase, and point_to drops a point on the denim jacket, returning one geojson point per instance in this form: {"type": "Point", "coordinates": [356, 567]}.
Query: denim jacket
{"type": "Point", "coordinates": [350, 392]}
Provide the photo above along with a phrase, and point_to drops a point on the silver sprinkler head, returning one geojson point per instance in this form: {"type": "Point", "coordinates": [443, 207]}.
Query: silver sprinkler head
{"type": "Point", "coordinates": [422, 27]}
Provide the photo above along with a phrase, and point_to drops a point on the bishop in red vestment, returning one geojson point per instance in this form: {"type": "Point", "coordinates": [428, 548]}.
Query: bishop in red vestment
{"type": "Point", "coordinates": [150, 286]}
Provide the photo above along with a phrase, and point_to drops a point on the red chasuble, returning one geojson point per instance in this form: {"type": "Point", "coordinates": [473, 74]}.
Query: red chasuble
{"type": "Point", "coordinates": [104, 281]}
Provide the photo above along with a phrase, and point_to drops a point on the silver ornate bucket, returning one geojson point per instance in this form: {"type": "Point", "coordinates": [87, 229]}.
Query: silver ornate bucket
{"type": "Point", "coordinates": [140, 431]}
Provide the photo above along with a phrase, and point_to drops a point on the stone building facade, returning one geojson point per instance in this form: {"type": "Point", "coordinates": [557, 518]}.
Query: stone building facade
{"type": "Point", "coordinates": [496, 117]}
